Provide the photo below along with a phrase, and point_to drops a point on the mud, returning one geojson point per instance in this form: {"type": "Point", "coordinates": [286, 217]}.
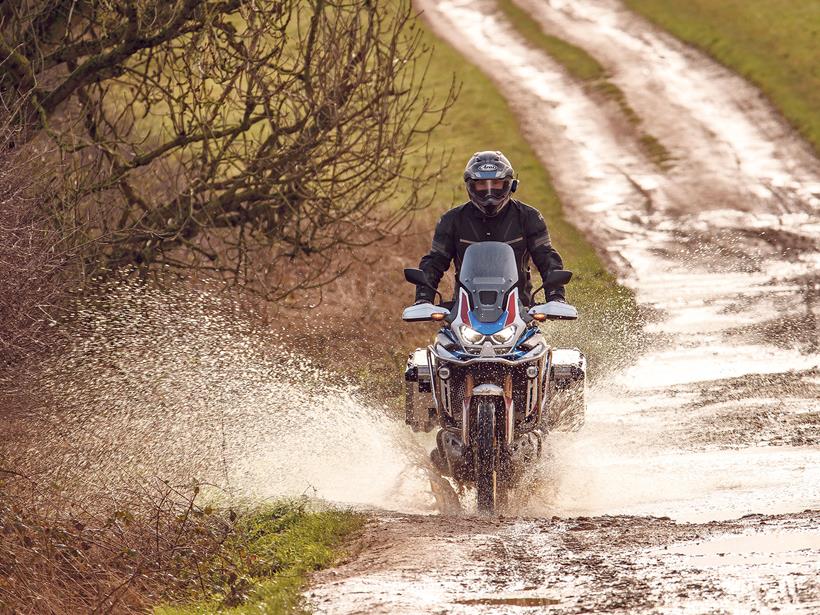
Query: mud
{"type": "Point", "coordinates": [609, 564]}
{"type": "Point", "coordinates": [695, 484]}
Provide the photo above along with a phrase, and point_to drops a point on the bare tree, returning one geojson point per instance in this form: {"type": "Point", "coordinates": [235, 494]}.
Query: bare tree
{"type": "Point", "coordinates": [32, 255]}
{"type": "Point", "coordinates": [252, 138]}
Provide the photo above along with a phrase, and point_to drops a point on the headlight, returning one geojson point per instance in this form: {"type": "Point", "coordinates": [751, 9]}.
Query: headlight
{"type": "Point", "coordinates": [505, 335]}
{"type": "Point", "coordinates": [470, 335]}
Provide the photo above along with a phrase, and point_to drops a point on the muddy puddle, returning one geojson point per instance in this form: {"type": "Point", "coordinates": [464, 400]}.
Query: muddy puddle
{"type": "Point", "coordinates": [608, 564]}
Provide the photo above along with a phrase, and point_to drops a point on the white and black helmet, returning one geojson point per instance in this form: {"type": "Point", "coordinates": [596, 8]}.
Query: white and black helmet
{"type": "Point", "coordinates": [490, 165]}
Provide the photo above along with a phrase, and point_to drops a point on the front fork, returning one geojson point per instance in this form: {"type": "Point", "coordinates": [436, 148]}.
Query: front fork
{"type": "Point", "coordinates": [491, 390]}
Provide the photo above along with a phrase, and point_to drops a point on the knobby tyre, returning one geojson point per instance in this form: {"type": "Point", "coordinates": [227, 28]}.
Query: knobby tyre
{"type": "Point", "coordinates": [486, 469]}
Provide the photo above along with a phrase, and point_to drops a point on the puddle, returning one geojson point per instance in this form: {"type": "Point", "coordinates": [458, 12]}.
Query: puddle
{"type": "Point", "coordinates": [774, 547]}
{"type": "Point", "coordinates": [517, 601]}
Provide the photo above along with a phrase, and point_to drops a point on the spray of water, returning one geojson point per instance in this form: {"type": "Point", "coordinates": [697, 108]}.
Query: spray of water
{"type": "Point", "coordinates": [179, 384]}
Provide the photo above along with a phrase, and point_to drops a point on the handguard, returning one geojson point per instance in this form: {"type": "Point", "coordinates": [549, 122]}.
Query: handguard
{"type": "Point", "coordinates": [423, 311]}
{"type": "Point", "coordinates": [555, 310]}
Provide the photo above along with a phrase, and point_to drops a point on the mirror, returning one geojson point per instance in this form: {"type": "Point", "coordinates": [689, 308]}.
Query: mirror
{"type": "Point", "coordinates": [559, 277]}
{"type": "Point", "coordinates": [419, 278]}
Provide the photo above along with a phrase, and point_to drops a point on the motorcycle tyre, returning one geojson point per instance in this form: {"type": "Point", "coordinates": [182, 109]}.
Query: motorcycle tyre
{"type": "Point", "coordinates": [485, 460]}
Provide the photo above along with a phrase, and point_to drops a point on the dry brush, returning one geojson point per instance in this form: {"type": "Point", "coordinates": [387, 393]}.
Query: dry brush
{"type": "Point", "coordinates": [259, 141]}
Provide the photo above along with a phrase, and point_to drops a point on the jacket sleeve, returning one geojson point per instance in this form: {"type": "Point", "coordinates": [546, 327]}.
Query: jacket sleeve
{"type": "Point", "coordinates": [437, 261]}
{"type": "Point", "coordinates": [545, 257]}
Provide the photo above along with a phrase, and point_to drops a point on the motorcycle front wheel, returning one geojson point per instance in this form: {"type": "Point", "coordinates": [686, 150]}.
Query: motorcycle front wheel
{"type": "Point", "coordinates": [486, 458]}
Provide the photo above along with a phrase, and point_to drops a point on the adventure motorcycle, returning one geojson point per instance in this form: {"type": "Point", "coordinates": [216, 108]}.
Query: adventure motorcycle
{"type": "Point", "coordinates": [490, 381]}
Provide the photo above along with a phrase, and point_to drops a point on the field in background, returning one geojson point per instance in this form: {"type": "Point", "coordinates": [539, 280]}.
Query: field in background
{"type": "Point", "coordinates": [775, 44]}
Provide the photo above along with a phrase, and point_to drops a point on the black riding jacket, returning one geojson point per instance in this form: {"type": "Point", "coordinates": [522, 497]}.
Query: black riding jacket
{"type": "Point", "coordinates": [519, 225]}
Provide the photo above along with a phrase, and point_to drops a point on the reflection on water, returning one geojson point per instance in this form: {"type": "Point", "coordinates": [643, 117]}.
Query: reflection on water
{"type": "Point", "coordinates": [767, 547]}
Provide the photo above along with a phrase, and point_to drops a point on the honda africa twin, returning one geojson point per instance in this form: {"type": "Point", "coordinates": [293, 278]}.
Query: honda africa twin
{"type": "Point", "coordinates": [490, 381]}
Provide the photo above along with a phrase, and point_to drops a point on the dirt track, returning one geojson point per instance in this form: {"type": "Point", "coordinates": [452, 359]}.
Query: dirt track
{"type": "Point", "coordinates": [718, 420]}
{"type": "Point", "coordinates": [432, 564]}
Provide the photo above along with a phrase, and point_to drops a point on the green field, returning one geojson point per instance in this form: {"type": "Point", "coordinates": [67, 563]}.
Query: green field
{"type": "Point", "coordinates": [775, 44]}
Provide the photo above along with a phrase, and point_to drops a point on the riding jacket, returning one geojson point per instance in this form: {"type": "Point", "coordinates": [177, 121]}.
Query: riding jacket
{"type": "Point", "coordinates": [519, 225]}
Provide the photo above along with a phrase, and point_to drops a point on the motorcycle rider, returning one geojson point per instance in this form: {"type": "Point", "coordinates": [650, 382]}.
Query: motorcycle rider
{"type": "Point", "coordinates": [491, 215]}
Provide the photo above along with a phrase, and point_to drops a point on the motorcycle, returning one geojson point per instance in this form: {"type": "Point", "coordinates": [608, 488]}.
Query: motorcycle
{"type": "Point", "coordinates": [490, 381]}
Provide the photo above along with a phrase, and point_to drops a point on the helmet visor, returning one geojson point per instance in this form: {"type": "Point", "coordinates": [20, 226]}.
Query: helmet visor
{"type": "Point", "coordinates": [489, 195]}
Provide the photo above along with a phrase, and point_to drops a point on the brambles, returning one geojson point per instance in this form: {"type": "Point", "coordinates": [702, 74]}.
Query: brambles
{"type": "Point", "coordinates": [107, 553]}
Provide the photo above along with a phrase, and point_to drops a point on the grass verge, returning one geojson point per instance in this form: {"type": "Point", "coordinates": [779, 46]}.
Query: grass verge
{"type": "Point", "coordinates": [772, 43]}
{"type": "Point", "coordinates": [583, 67]}
{"type": "Point", "coordinates": [263, 565]}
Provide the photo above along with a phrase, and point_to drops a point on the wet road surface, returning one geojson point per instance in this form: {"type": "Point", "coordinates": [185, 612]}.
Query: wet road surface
{"type": "Point", "coordinates": [610, 564]}
{"type": "Point", "coordinates": [692, 485]}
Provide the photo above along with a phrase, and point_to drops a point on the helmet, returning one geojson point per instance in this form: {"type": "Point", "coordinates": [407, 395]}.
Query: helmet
{"type": "Point", "coordinates": [493, 166]}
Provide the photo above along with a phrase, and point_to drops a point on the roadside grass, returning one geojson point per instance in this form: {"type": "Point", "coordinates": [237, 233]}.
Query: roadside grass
{"type": "Point", "coordinates": [773, 43]}
{"type": "Point", "coordinates": [583, 67]}
{"type": "Point", "coordinates": [263, 565]}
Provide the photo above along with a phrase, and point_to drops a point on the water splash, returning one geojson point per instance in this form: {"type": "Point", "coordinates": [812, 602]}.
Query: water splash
{"type": "Point", "coordinates": [182, 385]}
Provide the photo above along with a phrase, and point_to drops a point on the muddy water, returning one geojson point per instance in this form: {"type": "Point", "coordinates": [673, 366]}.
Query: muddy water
{"type": "Point", "coordinates": [611, 564]}
{"type": "Point", "coordinates": [684, 492]}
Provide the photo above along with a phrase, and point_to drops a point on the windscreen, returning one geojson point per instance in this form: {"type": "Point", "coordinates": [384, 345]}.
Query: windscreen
{"type": "Point", "coordinates": [487, 273]}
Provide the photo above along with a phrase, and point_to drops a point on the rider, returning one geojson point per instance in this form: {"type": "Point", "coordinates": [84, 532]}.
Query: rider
{"type": "Point", "coordinates": [491, 215]}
